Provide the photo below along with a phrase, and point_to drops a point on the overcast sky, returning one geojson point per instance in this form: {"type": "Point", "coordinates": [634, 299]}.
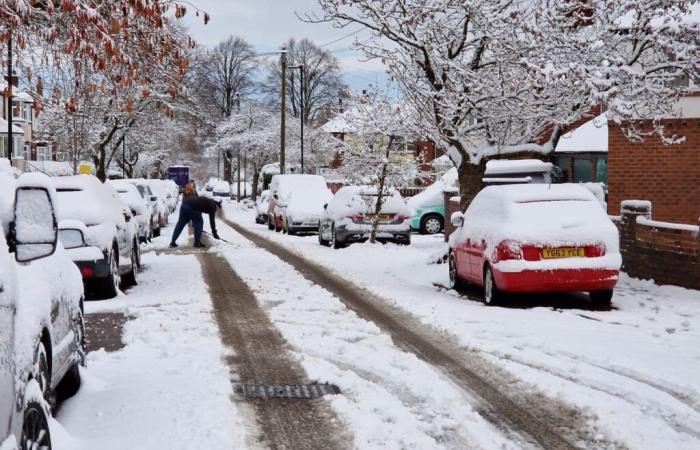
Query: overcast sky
{"type": "Point", "coordinates": [266, 24]}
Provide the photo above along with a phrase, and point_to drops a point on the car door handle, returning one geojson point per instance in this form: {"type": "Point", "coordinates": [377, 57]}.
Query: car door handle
{"type": "Point", "coordinates": [55, 310]}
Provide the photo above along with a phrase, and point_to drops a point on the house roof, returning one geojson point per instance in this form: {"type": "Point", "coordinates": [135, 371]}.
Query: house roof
{"type": "Point", "coordinates": [15, 129]}
{"type": "Point", "coordinates": [592, 136]}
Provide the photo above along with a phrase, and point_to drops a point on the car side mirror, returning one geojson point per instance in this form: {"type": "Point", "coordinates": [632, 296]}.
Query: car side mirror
{"type": "Point", "coordinates": [275, 196]}
{"type": "Point", "coordinates": [154, 198]}
{"type": "Point", "coordinates": [457, 219]}
{"type": "Point", "coordinates": [34, 233]}
{"type": "Point", "coordinates": [325, 206]}
{"type": "Point", "coordinates": [71, 238]}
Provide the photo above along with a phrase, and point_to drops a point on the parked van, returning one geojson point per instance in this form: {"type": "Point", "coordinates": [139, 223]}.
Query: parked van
{"type": "Point", "coordinates": [41, 319]}
{"type": "Point", "coordinates": [311, 187]}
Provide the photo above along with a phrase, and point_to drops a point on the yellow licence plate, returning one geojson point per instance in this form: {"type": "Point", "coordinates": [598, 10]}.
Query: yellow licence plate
{"type": "Point", "coordinates": [382, 217]}
{"type": "Point", "coordinates": [564, 252]}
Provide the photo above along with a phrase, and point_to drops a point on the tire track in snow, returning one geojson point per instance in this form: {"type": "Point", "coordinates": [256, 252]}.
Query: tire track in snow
{"type": "Point", "coordinates": [262, 357]}
{"type": "Point", "coordinates": [538, 421]}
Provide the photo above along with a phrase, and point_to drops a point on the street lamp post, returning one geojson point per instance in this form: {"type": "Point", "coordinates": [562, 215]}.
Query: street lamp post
{"type": "Point", "coordinates": [283, 106]}
{"type": "Point", "coordinates": [301, 109]}
{"type": "Point", "coordinates": [10, 137]}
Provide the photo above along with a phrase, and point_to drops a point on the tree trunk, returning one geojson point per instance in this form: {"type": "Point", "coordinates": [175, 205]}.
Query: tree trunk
{"type": "Point", "coordinates": [256, 178]}
{"type": "Point", "coordinates": [101, 169]}
{"type": "Point", "coordinates": [470, 182]}
{"type": "Point", "coordinates": [380, 194]}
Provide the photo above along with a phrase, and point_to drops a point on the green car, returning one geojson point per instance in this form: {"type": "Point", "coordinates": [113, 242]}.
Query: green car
{"type": "Point", "coordinates": [429, 206]}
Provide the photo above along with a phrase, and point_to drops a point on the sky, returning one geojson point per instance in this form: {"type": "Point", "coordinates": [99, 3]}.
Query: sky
{"type": "Point", "coordinates": [266, 24]}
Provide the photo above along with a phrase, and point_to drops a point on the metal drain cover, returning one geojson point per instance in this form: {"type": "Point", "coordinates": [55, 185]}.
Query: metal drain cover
{"type": "Point", "coordinates": [302, 391]}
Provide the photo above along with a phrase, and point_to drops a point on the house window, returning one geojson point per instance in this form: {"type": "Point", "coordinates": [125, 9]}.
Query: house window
{"type": "Point", "coordinates": [27, 152]}
{"type": "Point", "coordinates": [16, 110]}
{"type": "Point", "coordinates": [583, 170]}
{"type": "Point", "coordinates": [3, 146]}
{"type": "Point", "coordinates": [601, 167]}
{"type": "Point", "coordinates": [43, 153]}
{"type": "Point", "coordinates": [27, 112]}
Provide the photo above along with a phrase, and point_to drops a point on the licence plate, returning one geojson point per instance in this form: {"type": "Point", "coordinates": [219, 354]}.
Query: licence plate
{"type": "Point", "coordinates": [382, 217]}
{"type": "Point", "coordinates": [564, 252]}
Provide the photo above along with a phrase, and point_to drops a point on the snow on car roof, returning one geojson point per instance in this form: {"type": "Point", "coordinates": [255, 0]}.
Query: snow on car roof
{"type": "Point", "coordinates": [503, 166]}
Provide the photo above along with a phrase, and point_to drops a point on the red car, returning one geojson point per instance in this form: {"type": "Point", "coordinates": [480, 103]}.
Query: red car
{"type": "Point", "coordinates": [535, 238]}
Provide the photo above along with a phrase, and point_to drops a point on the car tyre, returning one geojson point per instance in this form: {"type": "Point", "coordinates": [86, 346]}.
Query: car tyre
{"type": "Point", "coordinates": [70, 384]}
{"type": "Point", "coordinates": [109, 286]}
{"type": "Point", "coordinates": [431, 224]}
{"type": "Point", "coordinates": [129, 279]}
{"type": "Point", "coordinates": [492, 295]}
{"type": "Point", "coordinates": [35, 428]}
{"type": "Point", "coordinates": [42, 373]}
{"type": "Point", "coordinates": [455, 281]}
{"type": "Point", "coordinates": [278, 228]}
{"type": "Point", "coordinates": [270, 223]}
{"type": "Point", "coordinates": [335, 243]}
{"type": "Point", "coordinates": [156, 232]}
{"type": "Point", "coordinates": [601, 299]}
{"type": "Point", "coordinates": [137, 250]}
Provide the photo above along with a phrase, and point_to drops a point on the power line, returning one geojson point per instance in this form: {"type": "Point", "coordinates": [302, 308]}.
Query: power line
{"type": "Point", "coordinates": [343, 37]}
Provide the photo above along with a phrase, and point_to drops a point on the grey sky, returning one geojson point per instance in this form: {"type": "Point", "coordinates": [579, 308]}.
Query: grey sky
{"type": "Point", "coordinates": [266, 24]}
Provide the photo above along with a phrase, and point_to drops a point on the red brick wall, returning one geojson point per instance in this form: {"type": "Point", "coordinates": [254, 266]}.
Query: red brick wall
{"type": "Point", "coordinates": [668, 256]}
{"type": "Point", "coordinates": [667, 175]}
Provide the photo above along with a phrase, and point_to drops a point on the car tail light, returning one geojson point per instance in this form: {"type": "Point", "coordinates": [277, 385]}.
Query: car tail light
{"type": "Point", "coordinates": [401, 217]}
{"type": "Point", "coordinates": [87, 272]}
{"type": "Point", "coordinates": [357, 218]}
{"type": "Point", "coordinates": [508, 250]}
{"type": "Point", "coordinates": [594, 251]}
{"type": "Point", "coordinates": [531, 253]}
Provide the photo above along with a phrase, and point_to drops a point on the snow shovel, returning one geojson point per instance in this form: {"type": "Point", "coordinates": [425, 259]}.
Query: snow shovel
{"type": "Point", "coordinates": [220, 239]}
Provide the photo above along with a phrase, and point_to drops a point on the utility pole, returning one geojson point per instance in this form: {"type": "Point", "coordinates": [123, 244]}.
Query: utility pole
{"type": "Point", "coordinates": [283, 105]}
{"type": "Point", "coordinates": [237, 96]}
{"type": "Point", "coordinates": [10, 138]}
{"type": "Point", "coordinates": [301, 109]}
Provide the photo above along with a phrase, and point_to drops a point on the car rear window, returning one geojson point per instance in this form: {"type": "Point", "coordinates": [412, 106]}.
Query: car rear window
{"type": "Point", "coordinates": [545, 211]}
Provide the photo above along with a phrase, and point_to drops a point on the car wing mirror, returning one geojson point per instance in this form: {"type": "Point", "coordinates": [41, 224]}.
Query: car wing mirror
{"type": "Point", "coordinates": [71, 238]}
{"type": "Point", "coordinates": [154, 198]}
{"type": "Point", "coordinates": [34, 232]}
{"type": "Point", "coordinates": [325, 206]}
{"type": "Point", "coordinates": [457, 219]}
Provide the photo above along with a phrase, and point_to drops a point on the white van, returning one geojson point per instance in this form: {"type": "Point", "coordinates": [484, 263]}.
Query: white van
{"type": "Point", "coordinates": [305, 194]}
{"type": "Point", "coordinates": [41, 320]}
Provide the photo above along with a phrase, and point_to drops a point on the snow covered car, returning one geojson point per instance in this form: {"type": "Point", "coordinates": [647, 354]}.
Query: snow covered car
{"type": "Point", "coordinates": [41, 319]}
{"type": "Point", "coordinates": [139, 208]}
{"type": "Point", "coordinates": [348, 217]}
{"type": "Point", "coordinates": [281, 188]}
{"type": "Point", "coordinates": [209, 186]}
{"type": "Point", "coordinates": [535, 238]}
{"type": "Point", "coordinates": [221, 189]}
{"type": "Point", "coordinates": [163, 190]}
{"type": "Point", "coordinates": [156, 207]}
{"type": "Point", "coordinates": [304, 209]}
{"type": "Point", "coordinates": [110, 250]}
{"type": "Point", "coordinates": [261, 206]}
{"type": "Point", "coordinates": [429, 205]}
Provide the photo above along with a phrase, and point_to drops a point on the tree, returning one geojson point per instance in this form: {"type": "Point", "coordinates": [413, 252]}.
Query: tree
{"type": "Point", "coordinates": [495, 78]}
{"type": "Point", "coordinates": [379, 128]}
{"type": "Point", "coordinates": [323, 85]}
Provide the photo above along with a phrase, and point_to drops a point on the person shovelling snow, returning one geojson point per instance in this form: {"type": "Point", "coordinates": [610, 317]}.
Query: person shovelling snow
{"type": "Point", "coordinates": [191, 210]}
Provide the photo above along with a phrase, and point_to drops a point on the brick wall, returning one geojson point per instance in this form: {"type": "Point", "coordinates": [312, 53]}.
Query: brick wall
{"type": "Point", "coordinates": [658, 252]}
{"type": "Point", "coordinates": [667, 175]}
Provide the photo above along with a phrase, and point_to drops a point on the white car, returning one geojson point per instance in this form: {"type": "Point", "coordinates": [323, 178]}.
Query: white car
{"type": "Point", "coordinates": [308, 213]}
{"type": "Point", "coordinates": [163, 190]}
{"type": "Point", "coordinates": [261, 206]}
{"type": "Point", "coordinates": [139, 208]}
{"type": "Point", "coordinates": [157, 209]}
{"type": "Point", "coordinates": [304, 208]}
{"type": "Point", "coordinates": [41, 319]}
{"type": "Point", "coordinates": [221, 189]}
{"type": "Point", "coordinates": [110, 249]}
{"type": "Point", "coordinates": [349, 215]}
{"type": "Point", "coordinates": [209, 185]}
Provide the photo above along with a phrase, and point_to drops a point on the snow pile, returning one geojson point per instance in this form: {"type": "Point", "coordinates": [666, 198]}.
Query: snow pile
{"type": "Point", "coordinates": [307, 204]}
{"type": "Point", "coordinates": [352, 200]}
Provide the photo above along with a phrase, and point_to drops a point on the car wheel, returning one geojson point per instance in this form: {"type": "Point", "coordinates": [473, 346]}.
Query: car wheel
{"type": "Point", "coordinates": [278, 228]}
{"type": "Point", "coordinates": [431, 224]}
{"type": "Point", "coordinates": [455, 281]}
{"type": "Point", "coordinates": [137, 250]}
{"type": "Point", "coordinates": [321, 241]}
{"type": "Point", "coordinates": [130, 278]}
{"type": "Point", "coordinates": [35, 428]}
{"type": "Point", "coordinates": [156, 232]}
{"type": "Point", "coordinates": [270, 223]}
{"type": "Point", "coordinates": [110, 284]}
{"type": "Point", "coordinates": [601, 299]}
{"type": "Point", "coordinates": [335, 243]}
{"type": "Point", "coordinates": [491, 293]}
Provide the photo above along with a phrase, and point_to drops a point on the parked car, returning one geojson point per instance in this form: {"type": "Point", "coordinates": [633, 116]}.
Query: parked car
{"type": "Point", "coordinates": [429, 206]}
{"type": "Point", "coordinates": [163, 189]}
{"type": "Point", "coordinates": [304, 208]}
{"type": "Point", "coordinates": [209, 185]}
{"type": "Point", "coordinates": [139, 208]}
{"type": "Point", "coordinates": [281, 188]}
{"type": "Point", "coordinates": [221, 189]}
{"type": "Point", "coordinates": [348, 217]}
{"type": "Point", "coordinates": [41, 318]}
{"type": "Point", "coordinates": [156, 207]}
{"type": "Point", "coordinates": [535, 238]}
{"type": "Point", "coordinates": [261, 206]}
{"type": "Point", "coordinates": [110, 250]}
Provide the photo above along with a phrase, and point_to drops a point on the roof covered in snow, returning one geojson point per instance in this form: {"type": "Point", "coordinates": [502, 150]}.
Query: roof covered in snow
{"type": "Point", "coordinates": [592, 136]}
{"type": "Point", "coordinates": [15, 129]}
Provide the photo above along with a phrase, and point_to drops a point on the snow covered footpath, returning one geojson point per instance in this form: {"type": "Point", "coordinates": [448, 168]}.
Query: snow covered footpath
{"type": "Point", "coordinates": [169, 387]}
{"type": "Point", "coordinates": [390, 399]}
{"type": "Point", "coordinates": [635, 368]}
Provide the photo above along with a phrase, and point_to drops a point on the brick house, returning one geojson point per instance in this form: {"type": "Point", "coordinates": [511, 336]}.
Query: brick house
{"type": "Point", "coordinates": [666, 175]}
